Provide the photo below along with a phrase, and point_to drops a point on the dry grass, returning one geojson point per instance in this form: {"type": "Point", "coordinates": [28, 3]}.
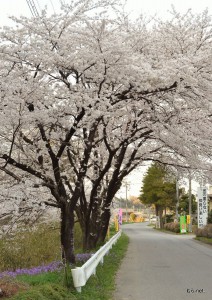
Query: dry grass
{"type": "Point", "coordinates": [173, 226]}
{"type": "Point", "coordinates": [10, 287]}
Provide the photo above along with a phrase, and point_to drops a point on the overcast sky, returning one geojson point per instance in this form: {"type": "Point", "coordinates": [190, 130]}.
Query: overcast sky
{"type": "Point", "coordinates": [149, 7]}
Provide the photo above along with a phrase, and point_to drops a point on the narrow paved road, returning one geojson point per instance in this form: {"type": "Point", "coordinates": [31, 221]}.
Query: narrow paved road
{"type": "Point", "coordinates": [162, 266]}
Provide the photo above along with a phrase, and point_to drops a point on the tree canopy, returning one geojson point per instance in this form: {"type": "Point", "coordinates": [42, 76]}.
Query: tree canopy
{"type": "Point", "coordinates": [88, 95]}
{"type": "Point", "coordinates": [184, 204]}
{"type": "Point", "coordinates": [159, 188]}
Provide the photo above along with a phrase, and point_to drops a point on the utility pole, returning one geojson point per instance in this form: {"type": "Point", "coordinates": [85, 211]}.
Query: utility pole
{"type": "Point", "coordinates": [190, 203]}
{"type": "Point", "coordinates": [126, 185]}
{"type": "Point", "coordinates": [177, 197]}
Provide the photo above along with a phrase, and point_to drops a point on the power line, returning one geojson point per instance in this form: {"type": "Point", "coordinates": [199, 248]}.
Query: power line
{"type": "Point", "coordinates": [33, 8]}
{"type": "Point", "coordinates": [52, 6]}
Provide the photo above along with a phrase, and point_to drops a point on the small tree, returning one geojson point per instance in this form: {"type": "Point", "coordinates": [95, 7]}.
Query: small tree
{"type": "Point", "coordinates": [158, 189]}
{"type": "Point", "coordinates": [184, 203]}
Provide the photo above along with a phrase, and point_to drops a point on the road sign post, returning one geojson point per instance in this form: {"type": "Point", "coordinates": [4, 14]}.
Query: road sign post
{"type": "Point", "coordinates": [202, 207]}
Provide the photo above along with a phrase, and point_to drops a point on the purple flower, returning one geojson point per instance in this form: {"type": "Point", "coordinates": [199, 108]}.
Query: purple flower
{"type": "Point", "coordinates": [83, 257]}
{"type": "Point", "coordinates": [53, 266]}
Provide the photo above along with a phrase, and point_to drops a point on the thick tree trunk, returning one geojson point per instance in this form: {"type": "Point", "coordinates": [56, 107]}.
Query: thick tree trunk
{"type": "Point", "coordinates": [95, 224]}
{"type": "Point", "coordinates": [88, 238]}
{"type": "Point", "coordinates": [157, 210]}
{"type": "Point", "coordinates": [84, 222]}
{"type": "Point", "coordinates": [91, 223]}
{"type": "Point", "coordinates": [105, 220]}
{"type": "Point", "coordinates": [89, 242]}
{"type": "Point", "coordinates": [67, 234]}
{"type": "Point", "coordinates": [91, 235]}
{"type": "Point", "coordinates": [94, 233]}
{"type": "Point", "coordinates": [159, 213]}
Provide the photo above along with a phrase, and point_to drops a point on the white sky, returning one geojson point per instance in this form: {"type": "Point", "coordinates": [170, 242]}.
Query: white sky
{"type": "Point", "coordinates": [134, 182]}
{"type": "Point", "coordinates": [147, 7]}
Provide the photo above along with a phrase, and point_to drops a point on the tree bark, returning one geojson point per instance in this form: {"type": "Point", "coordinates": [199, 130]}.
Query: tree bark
{"type": "Point", "coordinates": [94, 228]}
{"type": "Point", "coordinates": [94, 234]}
{"type": "Point", "coordinates": [159, 213]}
{"type": "Point", "coordinates": [90, 240]}
{"type": "Point", "coordinates": [67, 234]}
{"type": "Point", "coordinates": [105, 219]}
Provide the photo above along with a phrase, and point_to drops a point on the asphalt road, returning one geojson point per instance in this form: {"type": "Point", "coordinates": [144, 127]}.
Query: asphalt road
{"type": "Point", "coordinates": [162, 266]}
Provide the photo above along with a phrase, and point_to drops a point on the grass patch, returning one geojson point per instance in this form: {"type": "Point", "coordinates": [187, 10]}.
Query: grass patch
{"type": "Point", "coordinates": [34, 247]}
{"type": "Point", "coordinates": [44, 292]}
{"type": "Point", "coordinates": [204, 240]}
{"type": "Point", "coordinates": [39, 279]}
{"type": "Point", "coordinates": [100, 287]}
{"type": "Point", "coordinates": [30, 248]}
{"type": "Point", "coordinates": [125, 223]}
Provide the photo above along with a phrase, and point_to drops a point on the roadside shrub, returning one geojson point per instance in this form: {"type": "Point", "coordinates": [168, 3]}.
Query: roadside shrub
{"type": "Point", "coordinates": [173, 226]}
{"type": "Point", "coordinates": [205, 231]}
{"type": "Point", "coordinates": [209, 229]}
{"type": "Point", "coordinates": [210, 217]}
{"type": "Point", "coordinates": [194, 228]}
{"type": "Point", "coordinates": [197, 232]}
{"type": "Point", "coordinates": [132, 217]}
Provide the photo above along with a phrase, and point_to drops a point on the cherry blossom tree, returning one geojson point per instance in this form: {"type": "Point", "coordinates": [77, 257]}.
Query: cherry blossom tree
{"type": "Point", "coordinates": [52, 73]}
{"type": "Point", "coordinates": [172, 123]}
{"type": "Point", "coordinates": [88, 95]}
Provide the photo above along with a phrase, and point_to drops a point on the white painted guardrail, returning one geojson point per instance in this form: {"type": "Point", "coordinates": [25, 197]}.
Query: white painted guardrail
{"type": "Point", "coordinates": [82, 274]}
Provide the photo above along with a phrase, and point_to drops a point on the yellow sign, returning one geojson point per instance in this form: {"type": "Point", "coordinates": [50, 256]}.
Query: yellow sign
{"type": "Point", "coordinates": [108, 232]}
{"type": "Point", "coordinates": [116, 223]}
{"type": "Point", "coordinates": [188, 219]}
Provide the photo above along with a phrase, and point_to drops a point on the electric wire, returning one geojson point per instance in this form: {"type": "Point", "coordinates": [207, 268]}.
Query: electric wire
{"type": "Point", "coordinates": [52, 6]}
{"type": "Point", "coordinates": [33, 8]}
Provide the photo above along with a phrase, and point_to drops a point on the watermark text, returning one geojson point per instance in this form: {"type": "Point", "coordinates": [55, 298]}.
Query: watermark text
{"type": "Point", "coordinates": [195, 291]}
